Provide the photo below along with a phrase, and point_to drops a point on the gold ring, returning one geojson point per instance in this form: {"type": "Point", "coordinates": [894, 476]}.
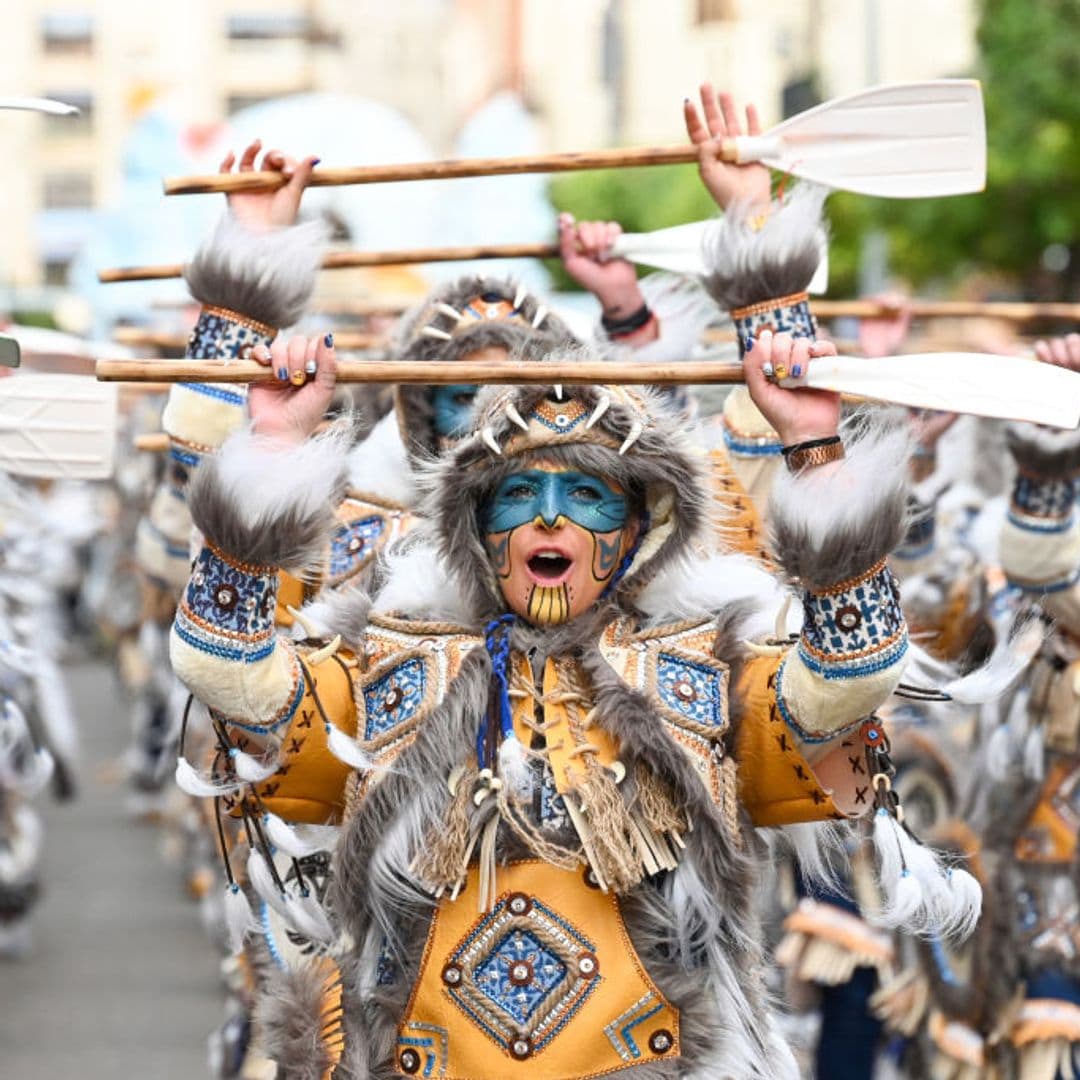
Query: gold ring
{"type": "Point", "coordinates": [298, 378]}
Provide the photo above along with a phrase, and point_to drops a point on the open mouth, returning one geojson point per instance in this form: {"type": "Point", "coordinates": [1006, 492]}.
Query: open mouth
{"type": "Point", "coordinates": [549, 567]}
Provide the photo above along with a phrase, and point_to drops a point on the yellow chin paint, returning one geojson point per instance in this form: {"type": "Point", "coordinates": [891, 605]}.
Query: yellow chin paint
{"type": "Point", "coordinates": [549, 604]}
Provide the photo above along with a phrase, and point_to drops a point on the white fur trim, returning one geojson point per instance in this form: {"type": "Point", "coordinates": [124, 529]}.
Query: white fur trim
{"type": "Point", "coordinates": [379, 467]}
{"type": "Point", "coordinates": [701, 587]}
{"type": "Point", "coordinates": [733, 251]}
{"type": "Point", "coordinates": [267, 276]}
{"type": "Point", "coordinates": [419, 586]}
{"type": "Point", "coordinates": [265, 480]}
{"type": "Point", "coordinates": [847, 495]}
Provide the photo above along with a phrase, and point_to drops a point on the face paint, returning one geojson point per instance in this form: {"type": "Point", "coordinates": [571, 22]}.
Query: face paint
{"type": "Point", "coordinates": [556, 538]}
{"type": "Point", "coordinates": [451, 410]}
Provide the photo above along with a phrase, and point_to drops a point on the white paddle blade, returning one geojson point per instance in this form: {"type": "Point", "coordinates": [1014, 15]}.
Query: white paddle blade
{"type": "Point", "coordinates": [983, 384]}
{"type": "Point", "coordinates": [35, 104]}
{"type": "Point", "coordinates": [57, 426]}
{"type": "Point", "coordinates": [907, 141]}
{"type": "Point", "coordinates": [679, 249]}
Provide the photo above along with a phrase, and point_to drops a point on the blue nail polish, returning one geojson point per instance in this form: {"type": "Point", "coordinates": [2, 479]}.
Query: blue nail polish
{"type": "Point", "coordinates": [796, 370]}
{"type": "Point", "coordinates": [316, 161]}
{"type": "Point", "coordinates": [329, 341]}
{"type": "Point", "coordinates": [283, 374]}
{"type": "Point", "coordinates": [749, 342]}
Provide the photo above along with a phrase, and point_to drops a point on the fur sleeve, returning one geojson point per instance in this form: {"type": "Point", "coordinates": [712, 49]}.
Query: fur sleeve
{"type": "Point", "coordinates": [265, 276]}
{"type": "Point", "coordinates": [745, 267]}
{"type": "Point", "coordinates": [271, 506]}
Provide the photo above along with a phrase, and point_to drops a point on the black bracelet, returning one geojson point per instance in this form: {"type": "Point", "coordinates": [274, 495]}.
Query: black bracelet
{"type": "Point", "coordinates": [810, 444]}
{"type": "Point", "coordinates": [631, 324]}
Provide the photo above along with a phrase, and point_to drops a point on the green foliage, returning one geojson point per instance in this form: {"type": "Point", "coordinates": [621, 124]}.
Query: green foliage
{"type": "Point", "coordinates": [1030, 68]}
{"type": "Point", "coordinates": [641, 200]}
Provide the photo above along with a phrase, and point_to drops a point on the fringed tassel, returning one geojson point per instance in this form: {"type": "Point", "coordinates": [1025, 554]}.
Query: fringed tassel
{"type": "Point", "coordinates": [301, 911]}
{"type": "Point", "coordinates": [442, 863]}
{"type": "Point", "coordinates": [347, 750]}
{"type": "Point", "coordinates": [608, 836]}
{"type": "Point", "coordinates": [239, 918]}
{"type": "Point", "coordinates": [298, 841]}
{"type": "Point", "coordinates": [191, 783]}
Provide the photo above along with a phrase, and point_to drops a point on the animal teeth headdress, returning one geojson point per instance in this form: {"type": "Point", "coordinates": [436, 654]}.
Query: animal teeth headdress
{"type": "Point", "coordinates": [628, 435]}
{"type": "Point", "coordinates": [462, 317]}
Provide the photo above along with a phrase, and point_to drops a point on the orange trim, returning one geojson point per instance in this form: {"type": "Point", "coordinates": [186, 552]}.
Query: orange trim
{"type": "Point", "coordinates": [766, 306]}
{"type": "Point", "coordinates": [235, 316]}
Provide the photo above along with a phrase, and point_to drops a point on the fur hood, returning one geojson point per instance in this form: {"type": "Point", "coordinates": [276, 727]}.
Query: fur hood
{"type": "Point", "coordinates": [629, 436]}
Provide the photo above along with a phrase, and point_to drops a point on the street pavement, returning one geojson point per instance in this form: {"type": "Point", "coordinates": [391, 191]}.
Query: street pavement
{"type": "Point", "coordinates": [122, 981]}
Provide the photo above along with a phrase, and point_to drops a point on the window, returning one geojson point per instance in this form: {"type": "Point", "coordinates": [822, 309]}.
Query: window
{"type": "Point", "coordinates": [271, 26]}
{"type": "Point", "coordinates": [235, 102]}
{"type": "Point", "coordinates": [717, 10]}
{"type": "Point", "coordinates": [56, 271]}
{"type": "Point", "coordinates": [68, 190]}
{"type": "Point", "coordinates": [67, 32]}
{"type": "Point", "coordinates": [83, 100]}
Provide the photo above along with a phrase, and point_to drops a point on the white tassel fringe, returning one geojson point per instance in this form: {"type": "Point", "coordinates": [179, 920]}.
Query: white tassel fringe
{"type": "Point", "coordinates": [251, 769]}
{"type": "Point", "coordinates": [299, 841]}
{"type": "Point", "coordinates": [239, 918]}
{"type": "Point", "coordinates": [514, 768]}
{"type": "Point", "coordinates": [346, 749]}
{"type": "Point", "coordinates": [191, 783]}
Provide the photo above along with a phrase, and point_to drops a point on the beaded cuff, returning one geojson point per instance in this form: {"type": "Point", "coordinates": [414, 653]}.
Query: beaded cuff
{"type": "Point", "coordinates": [228, 608]}
{"type": "Point", "coordinates": [223, 334]}
{"type": "Point", "coordinates": [787, 315]}
{"type": "Point", "coordinates": [855, 628]}
{"type": "Point", "coordinates": [1043, 504]}
{"type": "Point", "coordinates": [743, 445]}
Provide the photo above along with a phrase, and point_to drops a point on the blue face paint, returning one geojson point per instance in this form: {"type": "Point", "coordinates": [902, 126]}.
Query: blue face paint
{"type": "Point", "coordinates": [535, 493]}
{"type": "Point", "coordinates": [452, 409]}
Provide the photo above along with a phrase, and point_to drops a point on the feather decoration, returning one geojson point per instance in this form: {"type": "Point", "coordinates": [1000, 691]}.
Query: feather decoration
{"type": "Point", "coordinates": [191, 783]}
{"type": "Point", "coordinates": [239, 918]}
{"type": "Point", "coordinates": [250, 769]}
{"type": "Point", "coordinates": [299, 841]}
{"type": "Point", "coordinates": [514, 768]}
{"type": "Point", "coordinates": [346, 749]}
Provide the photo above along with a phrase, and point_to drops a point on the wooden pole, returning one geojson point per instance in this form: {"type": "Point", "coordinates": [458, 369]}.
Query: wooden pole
{"type": "Point", "coordinates": [573, 372]}
{"type": "Point", "coordinates": [339, 260]}
{"type": "Point", "coordinates": [947, 309]}
{"type": "Point", "coordinates": [620, 157]}
{"type": "Point", "coordinates": [136, 337]}
{"type": "Point", "coordinates": [155, 442]}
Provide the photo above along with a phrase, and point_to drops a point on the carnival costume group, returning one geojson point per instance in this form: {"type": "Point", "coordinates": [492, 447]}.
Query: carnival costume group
{"type": "Point", "coordinates": [564, 731]}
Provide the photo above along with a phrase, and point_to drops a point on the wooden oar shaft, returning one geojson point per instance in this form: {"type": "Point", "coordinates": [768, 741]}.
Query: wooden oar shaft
{"type": "Point", "coordinates": [432, 372]}
{"type": "Point", "coordinates": [338, 260]}
{"type": "Point", "coordinates": [453, 168]}
{"type": "Point", "coordinates": [947, 309]}
{"type": "Point", "coordinates": [136, 337]}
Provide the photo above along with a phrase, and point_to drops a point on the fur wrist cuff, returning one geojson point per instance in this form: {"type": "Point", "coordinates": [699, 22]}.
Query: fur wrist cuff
{"type": "Point", "coordinates": [267, 277]}
{"type": "Point", "coordinates": [835, 522]}
{"type": "Point", "coordinates": [260, 503]}
{"type": "Point", "coordinates": [747, 267]}
{"type": "Point", "coordinates": [1044, 452]}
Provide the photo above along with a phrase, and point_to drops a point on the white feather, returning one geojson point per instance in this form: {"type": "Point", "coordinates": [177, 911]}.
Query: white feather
{"type": "Point", "coordinates": [1035, 754]}
{"type": "Point", "coordinates": [191, 783]}
{"type": "Point", "coordinates": [379, 466]}
{"type": "Point", "coordinates": [346, 749]}
{"type": "Point", "coordinates": [306, 916]}
{"type": "Point", "coordinates": [514, 768]}
{"type": "Point", "coordinates": [298, 841]}
{"type": "Point", "coordinates": [1000, 753]}
{"type": "Point", "coordinates": [239, 919]}
{"type": "Point", "coordinates": [251, 769]}
{"type": "Point", "coordinates": [967, 902]}
{"type": "Point", "coordinates": [262, 881]}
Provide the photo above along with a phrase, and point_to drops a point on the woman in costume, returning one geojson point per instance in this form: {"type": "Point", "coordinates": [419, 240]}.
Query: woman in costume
{"type": "Point", "coordinates": [558, 742]}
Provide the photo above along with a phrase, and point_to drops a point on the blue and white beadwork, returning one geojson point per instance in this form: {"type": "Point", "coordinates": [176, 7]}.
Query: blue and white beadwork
{"type": "Point", "coordinates": [394, 698]}
{"type": "Point", "coordinates": [694, 691]}
{"type": "Point", "coordinates": [217, 336]}
{"type": "Point", "coordinates": [352, 545]}
{"type": "Point", "coordinates": [854, 632]}
{"type": "Point", "coordinates": [1044, 505]}
{"type": "Point", "coordinates": [226, 611]}
{"type": "Point", "coordinates": [751, 445]}
{"type": "Point", "coordinates": [794, 319]}
{"type": "Point", "coordinates": [522, 967]}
